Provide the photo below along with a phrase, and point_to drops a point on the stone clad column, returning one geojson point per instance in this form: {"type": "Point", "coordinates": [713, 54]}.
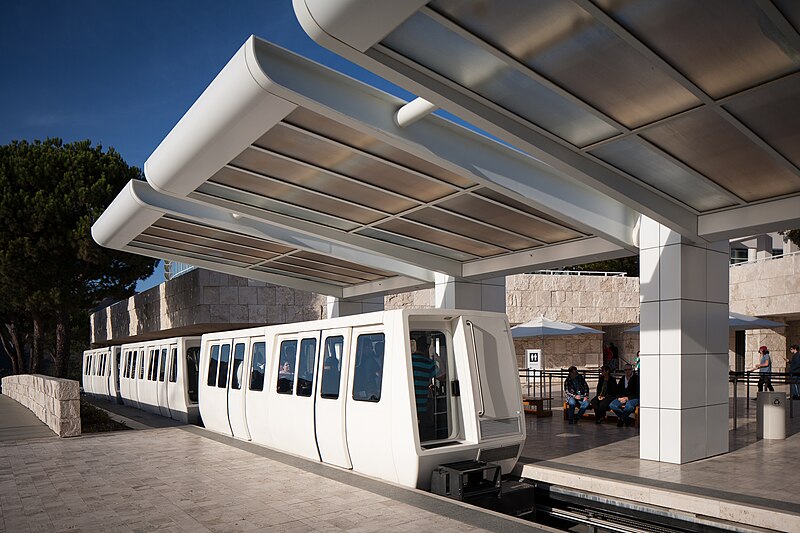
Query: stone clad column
{"type": "Point", "coordinates": [337, 307]}
{"type": "Point", "coordinates": [484, 295]}
{"type": "Point", "coordinates": [684, 346]}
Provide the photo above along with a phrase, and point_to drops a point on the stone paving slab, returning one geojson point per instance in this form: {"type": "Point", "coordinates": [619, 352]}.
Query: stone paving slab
{"type": "Point", "coordinates": [189, 479]}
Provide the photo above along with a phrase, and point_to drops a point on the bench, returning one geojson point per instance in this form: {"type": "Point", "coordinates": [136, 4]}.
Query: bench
{"type": "Point", "coordinates": [536, 406]}
{"type": "Point", "coordinates": [590, 415]}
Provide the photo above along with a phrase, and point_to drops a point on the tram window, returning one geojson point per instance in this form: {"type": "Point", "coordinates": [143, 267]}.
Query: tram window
{"type": "Point", "coordinates": [136, 367]}
{"type": "Point", "coordinates": [162, 368]}
{"type": "Point", "coordinates": [305, 366]}
{"type": "Point", "coordinates": [238, 364]}
{"type": "Point", "coordinates": [224, 357]}
{"type": "Point", "coordinates": [368, 375]}
{"type": "Point", "coordinates": [212, 366]}
{"type": "Point", "coordinates": [192, 371]}
{"type": "Point", "coordinates": [87, 370]}
{"type": "Point", "coordinates": [141, 365]}
{"type": "Point", "coordinates": [126, 371]}
{"type": "Point", "coordinates": [331, 367]}
{"type": "Point", "coordinates": [259, 363]}
{"type": "Point", "coordinates": [431, 386]}
{"type": "Point", "coordinates": [173, 366]}
{"type": "Point", "coordinates": [150, 365]}
{"type": "Point", "coordinates": [286, 364]}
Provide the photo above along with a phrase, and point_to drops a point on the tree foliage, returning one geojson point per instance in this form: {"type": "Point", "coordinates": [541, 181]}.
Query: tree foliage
{"type": "Point", "coordinates": [629, 265]}
{"type": "Point", "coordinates": [792, 235]}
{"type": "Point", "coordinates": [51, 270]}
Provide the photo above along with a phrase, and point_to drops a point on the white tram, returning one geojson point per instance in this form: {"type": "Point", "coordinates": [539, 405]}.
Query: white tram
{"type": "Point", "coordinates": [344, 391]}
{"type": "Point", "coordinates": [160, 376]}
{"type": "Point", "coordinates": [100, 373]}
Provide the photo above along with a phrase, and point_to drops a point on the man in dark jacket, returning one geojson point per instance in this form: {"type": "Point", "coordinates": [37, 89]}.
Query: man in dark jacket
{"type": "Point", "coordinates": [577, 391]}
{"type": "Point", "coordinates": [627, 397]}
{"type": "Point", "coordinates": [604, 395]}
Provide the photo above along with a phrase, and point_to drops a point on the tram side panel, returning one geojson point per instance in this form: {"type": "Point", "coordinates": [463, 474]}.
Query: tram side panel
{"type": "Point", "coordinates": [182, 380]}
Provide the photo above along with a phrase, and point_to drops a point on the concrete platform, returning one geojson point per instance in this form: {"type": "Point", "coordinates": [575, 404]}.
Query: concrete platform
{"type": "Point", "coordinates": [185, 478]}
{"type": "Point", "coordinates": [756, 484]}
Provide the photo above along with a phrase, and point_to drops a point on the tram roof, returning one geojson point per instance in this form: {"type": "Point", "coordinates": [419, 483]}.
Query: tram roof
{"type": "Point", "coordinates": [288, 172]}
{"type": "Point", "coordinates": [687, 112]}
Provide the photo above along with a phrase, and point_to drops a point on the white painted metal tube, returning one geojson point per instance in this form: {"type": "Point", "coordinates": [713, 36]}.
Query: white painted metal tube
{"type": "Point", "coordinates": [413, 111]}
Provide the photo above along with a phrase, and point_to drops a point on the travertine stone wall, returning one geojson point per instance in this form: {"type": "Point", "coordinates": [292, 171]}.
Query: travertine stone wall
{"type": "Point", "coordinates": [768, 289]}
{"type": "Point", "coordinates": [200, 301]}
{"type": "Point", "coordinates": [589, 300]}
{"type": "Point", "coordinates": [55, 401]}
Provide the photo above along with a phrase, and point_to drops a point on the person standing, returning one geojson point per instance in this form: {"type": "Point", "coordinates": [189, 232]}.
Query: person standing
{"type": "Point", "coordinates": [794, 370]}
{"type": "Point", "coordinates": [577, 391]}
{"type": "Point", "coordinates": [764, 368]}
{"type": "Point", "coordinates": [628, 397]}
{"type": "Point", "coordinates": [605, 394]}
{"type": "Point", "coordinates": [424, 370]}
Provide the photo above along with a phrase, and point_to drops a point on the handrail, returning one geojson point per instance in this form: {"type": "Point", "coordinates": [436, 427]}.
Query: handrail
{"type": "Point", "coordinates": [477, 367]}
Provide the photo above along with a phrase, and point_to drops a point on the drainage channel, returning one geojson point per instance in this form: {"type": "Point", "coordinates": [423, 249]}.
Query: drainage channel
{"type": "Point", "coordinates": [572, 510]}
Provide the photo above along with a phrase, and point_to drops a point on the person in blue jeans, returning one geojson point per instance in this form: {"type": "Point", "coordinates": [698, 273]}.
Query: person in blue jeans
{"type": "Point", "coordinates": [764, 368]}
{"type": "Point", "coordinates": [627, 397]}
{"type": "Point", "coordinates": [577, 391]}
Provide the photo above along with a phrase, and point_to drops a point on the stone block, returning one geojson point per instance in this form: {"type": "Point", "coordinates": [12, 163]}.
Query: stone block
{"type": "Point", "coordinates": [67, 409]}
{"type": "Point", "coordinates": [228, 295]}
{"type": "Point", "coordinates": [248, 295]}
{"type": "Point", "coordinates": [70, 427]}
{"type": "Point", "coordinates": [239, 314]}
{"type": "Point", "coordinates": [266, 295]}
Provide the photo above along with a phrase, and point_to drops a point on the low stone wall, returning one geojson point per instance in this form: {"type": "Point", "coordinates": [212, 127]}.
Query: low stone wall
{"type": "Point", "coordinates": [55, 401]}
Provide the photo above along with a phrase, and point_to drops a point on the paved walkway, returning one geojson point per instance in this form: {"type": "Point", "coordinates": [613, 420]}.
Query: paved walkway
{"type": "Point", "coordinates": [188, 479]}
{"type": "Point", "coordinates": [17, 423]}
{"type": "Point", "coordinates": [756, 483]}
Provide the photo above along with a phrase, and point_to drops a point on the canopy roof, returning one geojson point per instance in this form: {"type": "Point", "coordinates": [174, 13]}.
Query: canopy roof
{"type": "Point", "coordinates": [544, 327]}
{"type": "Point", "coordinates": [688, 112]}
{"type": "Point", "coordinates": [291, 173]}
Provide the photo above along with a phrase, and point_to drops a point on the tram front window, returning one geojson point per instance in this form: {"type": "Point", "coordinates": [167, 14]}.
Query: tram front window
{"type": "Point", "coordinates": [429, 363]}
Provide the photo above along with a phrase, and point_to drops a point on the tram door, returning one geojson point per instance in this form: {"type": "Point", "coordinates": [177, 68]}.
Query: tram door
{"type": "Point", "coordinates": [236, 389]}
{"type": "Point", "coordinates": [331, 395]}
{"type": "Point", "coordinates": [161, 377]}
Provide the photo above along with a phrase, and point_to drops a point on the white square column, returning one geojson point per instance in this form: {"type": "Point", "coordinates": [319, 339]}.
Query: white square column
{"type": "Point", "coordinates": [684, 346]}
{"type": "Point", "coordinates": [483, 295]}
{"type": "Point", "coordinates": [337, 307]}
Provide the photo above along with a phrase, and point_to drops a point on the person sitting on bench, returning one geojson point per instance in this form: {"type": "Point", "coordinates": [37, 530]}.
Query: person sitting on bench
{"type": "Point", "coordinates": [628, 397]}
{"type": "Point", "coordinates": [606, 393]}
{"type": "Point", "coordinates": [577, 394]}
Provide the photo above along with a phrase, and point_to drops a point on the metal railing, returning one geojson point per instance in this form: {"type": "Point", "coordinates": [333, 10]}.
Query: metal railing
{"type": "Point", "coordinates": [580, 273]}
{"type": "Point", "coordinates": [544, 383]}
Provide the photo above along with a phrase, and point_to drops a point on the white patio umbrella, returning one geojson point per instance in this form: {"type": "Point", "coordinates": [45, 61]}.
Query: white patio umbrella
{"type": "Point", "coordinates": [737, 322]}
{"type": "Point", "coordinates": [543, 327]}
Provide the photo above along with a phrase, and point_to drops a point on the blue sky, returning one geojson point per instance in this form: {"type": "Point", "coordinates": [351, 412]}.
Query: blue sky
{"type": "Point", "coordinates": [121, 73]}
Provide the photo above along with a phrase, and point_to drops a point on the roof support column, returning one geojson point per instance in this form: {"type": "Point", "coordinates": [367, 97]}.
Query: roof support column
{"type": "Point", "coordinates": [456, 293]}
{"type": "Point", "coordinates": [684, 346]}
{"type": "Point", "coordinates": [337, 307]}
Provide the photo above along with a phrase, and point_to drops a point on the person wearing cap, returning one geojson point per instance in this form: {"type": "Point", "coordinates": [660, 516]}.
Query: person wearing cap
{"type": "Point", "coordinates": [764, 368]}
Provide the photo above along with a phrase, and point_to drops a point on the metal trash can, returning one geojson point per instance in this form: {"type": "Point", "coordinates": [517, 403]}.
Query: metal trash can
{"type": "Point", "coordinates": [771, 415]}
